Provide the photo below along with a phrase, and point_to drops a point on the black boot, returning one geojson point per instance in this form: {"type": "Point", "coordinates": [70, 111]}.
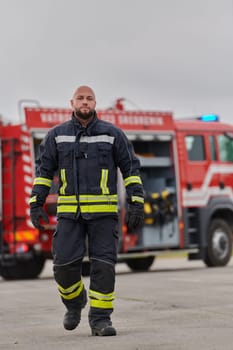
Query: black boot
{"type": "Point", "coordinates": [73, 316]}
{"type": "Point", "coordinates": [71, 319]}
{"type": "Point", "coordinates": [103, 329]}
{"type": "Point", "coordinates": [100, 321]}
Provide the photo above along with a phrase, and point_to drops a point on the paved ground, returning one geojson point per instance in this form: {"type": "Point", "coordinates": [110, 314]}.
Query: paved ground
{"type": "Point", "coordinates": [178, 305]}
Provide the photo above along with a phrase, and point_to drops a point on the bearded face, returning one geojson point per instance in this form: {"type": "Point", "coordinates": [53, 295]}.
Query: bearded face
{"type": "Point", "coordinates": [83, 104]}
{"type": "Point", "coordinates": [83, 115]}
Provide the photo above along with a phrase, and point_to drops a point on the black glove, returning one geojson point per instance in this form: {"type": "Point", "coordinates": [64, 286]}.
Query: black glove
{"type": "Point", "coordinates": [37, 213]}
{"type": "Point", "coordinates": [135, 216]}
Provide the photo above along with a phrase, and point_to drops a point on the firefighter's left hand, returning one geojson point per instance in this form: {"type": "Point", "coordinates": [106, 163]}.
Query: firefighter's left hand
{"type": "Point", "coordinates": [37, 213]}
{"type": "Point", "coordinates": [135, 216]}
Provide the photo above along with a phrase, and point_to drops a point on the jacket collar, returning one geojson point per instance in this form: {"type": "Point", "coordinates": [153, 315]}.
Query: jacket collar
{"type": "Point", "coordinates": [89, 125]}
{"type": "Point", "coordinates": [77, 122]}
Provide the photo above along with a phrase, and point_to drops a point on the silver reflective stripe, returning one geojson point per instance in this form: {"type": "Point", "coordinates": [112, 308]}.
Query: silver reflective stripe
{"type": "Point", "coordinates": [98, 138]}
{"type": "Point", "coordinates": [64, 138]}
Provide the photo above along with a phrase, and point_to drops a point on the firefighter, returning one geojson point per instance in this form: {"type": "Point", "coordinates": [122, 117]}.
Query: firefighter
{"type": "Point", "coordinates": [86, 152]}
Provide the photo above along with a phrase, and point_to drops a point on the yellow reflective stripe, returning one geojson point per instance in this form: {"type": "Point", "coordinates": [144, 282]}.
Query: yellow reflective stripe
{"type": "Point", "coordinates": [72, 295]}
{"type": "Point", "coordinates": [99, 208]}
{"type": "Point", "coordinates": [67, 199]}
{"type": "Point", "coordinates": [89, 204]}
{"type": "Point", "coordinates": [132, 180]}
{"type": "Point", "coordinates": [104, 181]}
{"type": "Point", "coordinates": [42, 181]}
{"type": "Point", "coordinates": [101, 296]}
{"type": "Point", "coordinates": [85, 198]}
{"type": "Point", "coordinates": [71, 288]}
{"type": "Point", "coordinates": [63, 180]}
{"type": "Point", "coordinates": [88, 208]}
{"type": "Point", "coordinates": [137, 199]}
{"type": "Point", "coordinates": [67, 209]}
{"type": "Point", "coordinates": [98, 198]}
{"type": "Point", "coordinates": [101, 304]}
{"type": "Point", "coordinates": [33, 199]}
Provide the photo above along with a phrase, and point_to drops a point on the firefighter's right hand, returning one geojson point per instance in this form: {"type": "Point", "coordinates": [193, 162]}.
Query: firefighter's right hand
{"type": "Point", "coordinates": [37, 214]}
{"type": "Point", "coordinates": [135, 217]}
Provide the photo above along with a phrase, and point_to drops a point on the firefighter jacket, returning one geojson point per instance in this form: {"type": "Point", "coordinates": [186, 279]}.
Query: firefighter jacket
{"type": "Point", "coordinates": [86, 161]}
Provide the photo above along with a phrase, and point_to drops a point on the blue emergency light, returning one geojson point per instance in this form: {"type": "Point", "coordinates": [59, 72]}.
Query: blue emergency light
{"type": "Point", "coordinates": [209, 118]}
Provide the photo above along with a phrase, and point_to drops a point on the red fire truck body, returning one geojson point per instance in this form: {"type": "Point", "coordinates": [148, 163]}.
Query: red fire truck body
{"type": "Point", "coordinates": [187, 172]}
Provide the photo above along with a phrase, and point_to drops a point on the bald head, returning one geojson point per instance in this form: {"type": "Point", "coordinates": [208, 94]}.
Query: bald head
{"type": "Point", "coordinates": [84, 90]}
{"type": "Point", "coordinates": [83, 104]}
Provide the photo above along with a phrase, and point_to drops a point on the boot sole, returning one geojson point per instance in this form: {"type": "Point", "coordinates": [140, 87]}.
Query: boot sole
{"type": "Point", "coordinates": [108, 331]}
{"type": "Point", "coordinates": [70, 328]}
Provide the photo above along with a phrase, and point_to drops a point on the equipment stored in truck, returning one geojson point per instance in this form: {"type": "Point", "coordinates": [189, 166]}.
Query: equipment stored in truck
{"type": "Point", "coordinates": [187, 173]}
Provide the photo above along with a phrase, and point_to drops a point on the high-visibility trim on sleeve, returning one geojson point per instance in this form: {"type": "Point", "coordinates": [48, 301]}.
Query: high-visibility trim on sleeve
{"type": "Point", "coordinates": [132, 180]}
{"type": "Point", "coordinates": [42, 181]}
{"type": "Point", "coordinates": [137, 199]}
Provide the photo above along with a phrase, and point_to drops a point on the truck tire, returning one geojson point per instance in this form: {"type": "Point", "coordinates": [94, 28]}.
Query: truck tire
{"type": "Point", "coordinates": [28, 269]}
{"type": "Point", "coordinates": [140, 264]}
{"type": "Point", "coordinates": [219, 241]}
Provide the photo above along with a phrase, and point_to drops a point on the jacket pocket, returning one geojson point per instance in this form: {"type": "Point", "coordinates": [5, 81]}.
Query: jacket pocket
{"type": "Point", "coordinates": [65, 155]}
{"type": "Point", "coordinates": [104, 154]}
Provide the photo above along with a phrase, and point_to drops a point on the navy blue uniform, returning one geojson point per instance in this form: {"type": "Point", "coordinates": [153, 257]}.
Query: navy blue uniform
{"type": "Point", "coordinates": [86, 160]}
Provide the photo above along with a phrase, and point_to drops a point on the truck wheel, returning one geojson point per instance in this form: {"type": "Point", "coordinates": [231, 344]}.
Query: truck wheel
{"type": "Point", "coordinates": [140, 264]}
{"type": "Point", "coordinates": [219, 249]}
{"type": "Point", "coordinates": [28, 269]}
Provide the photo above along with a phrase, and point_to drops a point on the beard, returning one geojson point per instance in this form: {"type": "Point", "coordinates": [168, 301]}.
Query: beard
{"type": "Point", "coordinates": [84, 116]}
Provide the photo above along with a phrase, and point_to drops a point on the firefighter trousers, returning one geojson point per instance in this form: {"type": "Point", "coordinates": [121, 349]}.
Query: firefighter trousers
{"type": "Point", "coordinates": [72, 240]}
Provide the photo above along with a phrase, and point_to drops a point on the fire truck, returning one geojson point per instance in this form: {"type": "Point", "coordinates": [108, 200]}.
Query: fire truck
{"type": "Point", "coordinates": [187, 173]}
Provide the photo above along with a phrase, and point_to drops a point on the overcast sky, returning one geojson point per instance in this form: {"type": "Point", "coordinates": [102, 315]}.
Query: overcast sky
{"type": "Point", "coordinates": [172, 55]}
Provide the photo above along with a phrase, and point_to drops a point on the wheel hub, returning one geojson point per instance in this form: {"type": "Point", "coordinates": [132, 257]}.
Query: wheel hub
{"type": "Point", "coordinates": [220, 244]}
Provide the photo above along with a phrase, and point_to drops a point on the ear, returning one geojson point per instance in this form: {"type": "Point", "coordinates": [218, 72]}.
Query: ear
{"type": "Point", "coordinates": [72, 103]}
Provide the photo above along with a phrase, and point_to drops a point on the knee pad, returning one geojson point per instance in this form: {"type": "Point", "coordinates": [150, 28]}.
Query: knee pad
{"type": "Point", "coordinates": [102, 276]}
{"type": "Point", "coordinates": [69, 274]}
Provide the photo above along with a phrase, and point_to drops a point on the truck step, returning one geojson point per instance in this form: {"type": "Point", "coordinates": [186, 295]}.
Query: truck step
{"type": "Point", "coordinates": [195, 256]}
